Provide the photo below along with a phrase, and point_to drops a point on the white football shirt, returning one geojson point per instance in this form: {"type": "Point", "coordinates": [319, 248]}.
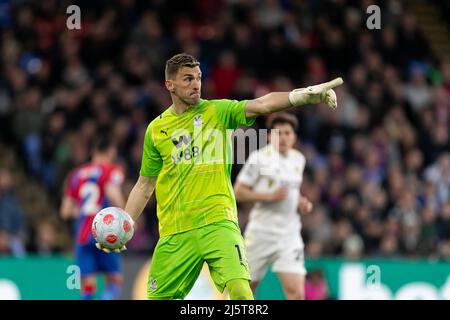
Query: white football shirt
{"type": "Point", "coordinates": [265, 171]}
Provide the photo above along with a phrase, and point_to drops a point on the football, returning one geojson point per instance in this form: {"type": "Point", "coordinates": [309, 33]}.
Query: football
{"type": "Point", "coordinates": [112, 227]}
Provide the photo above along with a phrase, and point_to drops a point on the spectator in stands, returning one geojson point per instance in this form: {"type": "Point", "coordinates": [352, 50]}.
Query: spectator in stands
{"type": "Point", "coordinates": [46, 239]}
{"type": "Point", "coordinates": [12, 225]}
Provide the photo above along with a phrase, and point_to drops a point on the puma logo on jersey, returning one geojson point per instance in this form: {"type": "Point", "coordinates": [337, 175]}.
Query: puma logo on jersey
{"type": "Point", "coordinates": [165, 132]}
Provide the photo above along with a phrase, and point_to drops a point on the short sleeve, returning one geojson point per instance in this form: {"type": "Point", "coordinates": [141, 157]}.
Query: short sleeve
{"type": "Point", "coordinates": [232, 113]}
{"type": "Point", "coordinates": [151, 159]}
{"type": "Point", "coordinates": [69, 190]}
{"type": "Point", "coordinates": [116, 177]}
{"type": "Point", "coordinates": [249, 173]}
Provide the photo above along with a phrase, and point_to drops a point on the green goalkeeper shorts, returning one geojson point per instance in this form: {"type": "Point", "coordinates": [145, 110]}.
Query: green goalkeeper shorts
{"type": "Point", "coordinates": [178, 259]}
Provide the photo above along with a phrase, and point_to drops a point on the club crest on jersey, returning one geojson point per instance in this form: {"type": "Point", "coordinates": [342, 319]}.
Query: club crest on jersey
{"type": "Point", "coordinates": [152, 284]}
{"type": "Point", "coordinates": [198, 120]}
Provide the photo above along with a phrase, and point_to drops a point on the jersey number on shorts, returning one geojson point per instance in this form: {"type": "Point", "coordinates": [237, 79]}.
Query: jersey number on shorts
{"type": "Point", "coordinates": [239, 254]}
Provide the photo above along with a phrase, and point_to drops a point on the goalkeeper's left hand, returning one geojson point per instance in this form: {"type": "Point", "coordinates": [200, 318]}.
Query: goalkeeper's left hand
{"type": "Point", "coordinates": [321, 93]}
{"type": "Point", "coordinates": [118, 250]}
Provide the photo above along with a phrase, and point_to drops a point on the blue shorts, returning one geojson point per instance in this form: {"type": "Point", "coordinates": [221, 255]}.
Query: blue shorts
{"type": "Point", "coordinates": [92, 260]}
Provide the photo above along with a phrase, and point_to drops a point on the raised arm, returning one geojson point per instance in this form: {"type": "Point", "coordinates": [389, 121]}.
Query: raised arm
{"type": "Point", "coordinates": [279, 101]}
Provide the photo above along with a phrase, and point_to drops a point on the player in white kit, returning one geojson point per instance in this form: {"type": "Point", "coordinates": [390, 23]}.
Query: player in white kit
{"type": "Point", "coordinates": [271, 178]}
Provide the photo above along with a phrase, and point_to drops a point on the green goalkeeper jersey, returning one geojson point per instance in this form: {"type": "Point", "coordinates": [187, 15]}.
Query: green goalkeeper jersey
{"type": "Point", "coordinates": [191, 154]}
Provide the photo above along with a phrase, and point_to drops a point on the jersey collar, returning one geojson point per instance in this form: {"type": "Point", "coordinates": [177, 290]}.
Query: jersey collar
{"type": "Point", "coordinates": [273, 149]}
{"type": "Point", "coordinates": [191, 107]}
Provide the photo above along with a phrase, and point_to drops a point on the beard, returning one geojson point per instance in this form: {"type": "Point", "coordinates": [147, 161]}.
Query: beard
{"type": "Point", "coordinates": [190, 99]}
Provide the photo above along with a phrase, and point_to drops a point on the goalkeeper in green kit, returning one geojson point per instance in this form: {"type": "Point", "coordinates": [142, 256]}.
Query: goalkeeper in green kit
{"type": "Point", "coordinates": [187, 161]}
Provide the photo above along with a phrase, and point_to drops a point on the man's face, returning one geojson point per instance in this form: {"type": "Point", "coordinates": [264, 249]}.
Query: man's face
{"type": "Point", "coordinates": [186, 85]}
{"type": "Point", "coordinates": [285, 139]}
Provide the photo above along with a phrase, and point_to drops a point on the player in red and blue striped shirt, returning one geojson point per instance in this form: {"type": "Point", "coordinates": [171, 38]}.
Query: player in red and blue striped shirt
{"type": "Point", "coordinates": [90, 188]}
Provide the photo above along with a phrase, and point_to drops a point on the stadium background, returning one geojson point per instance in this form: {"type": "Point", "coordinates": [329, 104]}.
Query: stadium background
{"type": "Point", "coordinates": [378, 169]}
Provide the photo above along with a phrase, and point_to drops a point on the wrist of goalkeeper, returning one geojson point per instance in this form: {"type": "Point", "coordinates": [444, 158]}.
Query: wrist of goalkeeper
{"type": "Point", "coordinates": [321, 93]}
{"type": "Point", "coordinates": [298, 98]}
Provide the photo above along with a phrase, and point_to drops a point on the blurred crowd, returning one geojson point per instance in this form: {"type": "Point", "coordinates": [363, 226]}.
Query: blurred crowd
{"type": "Point", "coordinates": [378, 169]}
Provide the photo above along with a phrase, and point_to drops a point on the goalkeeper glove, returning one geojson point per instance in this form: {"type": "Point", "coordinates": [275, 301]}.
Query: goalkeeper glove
{"type": "Point", "coordinates": [118, 250]}
{"type": "Point", "coordinates": [316, 94]}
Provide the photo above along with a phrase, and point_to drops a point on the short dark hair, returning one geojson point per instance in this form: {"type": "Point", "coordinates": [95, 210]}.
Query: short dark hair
{"type": "Point", "coordinates": [282, 118]}
{"type": "Point", "coordinates": [102, 143]}
{"type": "Point", "coordinates": [178, 61]}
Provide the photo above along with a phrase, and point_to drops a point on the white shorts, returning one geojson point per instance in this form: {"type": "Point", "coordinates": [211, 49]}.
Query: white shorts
{"type": "Point", "coordinates": [284, 253]}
